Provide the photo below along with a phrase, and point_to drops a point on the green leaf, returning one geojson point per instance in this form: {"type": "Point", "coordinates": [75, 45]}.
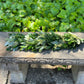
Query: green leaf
{"type": "Point", "coordinates": [22, 13]}
{"type": "Point", "coordinates": [42, 48]}
{"type": "Point", "coordinates": [62, 14]}
{"type": "Point", "coordinates": [54, 11]}
{"type": "Point", "coordinates": [64, 27]}
{"type": "Point", "coordinates": [59, 69]}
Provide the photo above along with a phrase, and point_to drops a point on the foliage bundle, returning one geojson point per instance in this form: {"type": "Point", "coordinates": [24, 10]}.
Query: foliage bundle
{"type": "Point", "coordinates": [42, 41]}
{"type": "Point", "coordinates": [42, 15]}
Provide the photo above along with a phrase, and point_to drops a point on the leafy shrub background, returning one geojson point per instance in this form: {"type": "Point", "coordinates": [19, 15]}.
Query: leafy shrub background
{"type": "Point", "coordinates": [42, 15]}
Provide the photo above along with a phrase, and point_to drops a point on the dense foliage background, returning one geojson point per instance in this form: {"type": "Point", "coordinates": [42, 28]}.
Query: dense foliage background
{"type": "Point", "coordinates": [42, 15]}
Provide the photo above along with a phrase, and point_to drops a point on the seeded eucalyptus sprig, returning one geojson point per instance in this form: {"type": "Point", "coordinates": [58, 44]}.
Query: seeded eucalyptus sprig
{"type": "Point", "coordinates": [42, 41]}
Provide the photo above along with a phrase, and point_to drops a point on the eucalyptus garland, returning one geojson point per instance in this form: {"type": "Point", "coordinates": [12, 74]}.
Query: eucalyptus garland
{"type": "Point", "coordinates": [42, 41]}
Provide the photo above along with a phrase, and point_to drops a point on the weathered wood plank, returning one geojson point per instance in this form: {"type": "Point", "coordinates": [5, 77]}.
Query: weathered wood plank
{"type": "Point", "coordinates": [74, 56]}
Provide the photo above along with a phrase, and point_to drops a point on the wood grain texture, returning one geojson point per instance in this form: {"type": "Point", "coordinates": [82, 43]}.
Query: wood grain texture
{"type": "Point", "coordinates": [74, 56]}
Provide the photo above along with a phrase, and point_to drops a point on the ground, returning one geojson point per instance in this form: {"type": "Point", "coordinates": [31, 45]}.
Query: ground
{"type": "Point", "coordinates": [49, 76]}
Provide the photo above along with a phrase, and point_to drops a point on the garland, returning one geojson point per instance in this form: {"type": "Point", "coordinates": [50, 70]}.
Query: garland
{"type": "Point", "coordinates": [42, 41]}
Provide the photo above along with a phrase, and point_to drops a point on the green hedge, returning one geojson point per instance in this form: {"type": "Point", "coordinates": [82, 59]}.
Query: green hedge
{"type": "Point", "coordinates": [42, 15]}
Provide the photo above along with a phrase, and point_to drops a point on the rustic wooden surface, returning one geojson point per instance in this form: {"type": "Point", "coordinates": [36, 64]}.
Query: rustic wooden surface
{"type": "Point", "coordinates": [75, 56]}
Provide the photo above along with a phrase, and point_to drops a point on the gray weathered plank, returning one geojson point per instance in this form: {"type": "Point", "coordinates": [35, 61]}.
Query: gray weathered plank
{"type": "Point", "coordinates": [75, 56]}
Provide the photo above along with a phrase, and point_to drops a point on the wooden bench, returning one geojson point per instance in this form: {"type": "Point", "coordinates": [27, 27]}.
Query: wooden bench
{"type": "Point", "coordinates": [16, 63]}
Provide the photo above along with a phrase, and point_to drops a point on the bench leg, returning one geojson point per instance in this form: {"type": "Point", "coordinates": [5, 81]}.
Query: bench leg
{"type": "Point", "coordinates": [18, 73]}
{"type": "Point", "coordinates": [78, 74]}
{"type": "Point", "coordinates": [3, 74]}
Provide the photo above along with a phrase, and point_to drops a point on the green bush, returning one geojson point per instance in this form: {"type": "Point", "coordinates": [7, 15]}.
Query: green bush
{"type": "Point", "coordinates": [42, 15]}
